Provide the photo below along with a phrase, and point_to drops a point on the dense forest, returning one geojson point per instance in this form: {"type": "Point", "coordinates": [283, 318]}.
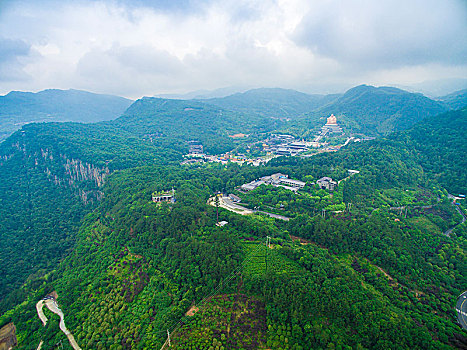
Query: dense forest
{"type": "Point", "coordinates": [367, 266]}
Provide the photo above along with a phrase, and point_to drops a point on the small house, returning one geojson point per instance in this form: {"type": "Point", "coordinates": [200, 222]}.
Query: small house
{"type": "Point", "coordinates": [326, 183]}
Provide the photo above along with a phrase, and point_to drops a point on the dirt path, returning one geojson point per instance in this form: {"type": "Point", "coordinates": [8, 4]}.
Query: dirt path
{"type": "Point", "coordinates": [392, 281]}
{"type": "Point", "coordinates": [306, 241]}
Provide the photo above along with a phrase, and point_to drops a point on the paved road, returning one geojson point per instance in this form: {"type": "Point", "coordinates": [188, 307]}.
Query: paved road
{"type": "Point", "coordinates": [461, 308]}
{"type": "Point", "coordinates": [276, 216]}
{"type": "Point", "coordinates": [52, 306]}
{"type": "Point", "coordinates": [448, 231]}
{"type": "Point", "coordinates": [226, 203]}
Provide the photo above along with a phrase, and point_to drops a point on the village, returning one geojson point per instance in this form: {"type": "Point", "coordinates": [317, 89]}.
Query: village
{"type": "Point", "coordinates": [330, 138]}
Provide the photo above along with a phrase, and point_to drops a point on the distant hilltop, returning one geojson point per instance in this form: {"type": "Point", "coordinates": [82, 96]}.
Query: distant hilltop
{"type": "Point", "coordinates": [18, 108]}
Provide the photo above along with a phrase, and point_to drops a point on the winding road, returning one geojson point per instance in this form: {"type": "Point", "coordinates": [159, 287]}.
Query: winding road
{"type": "Point", "coordinates": [52, 306]}
{"type": "Point", "coordinates": [449, 230]}
{"type": "Point", "coordinates": [461, 308]}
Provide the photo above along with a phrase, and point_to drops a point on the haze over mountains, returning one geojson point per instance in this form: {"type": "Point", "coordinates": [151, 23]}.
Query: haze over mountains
{"type": "Point", "coordinates": [18, 108]}
{"type": "Point", "coordinates": [366, 109]}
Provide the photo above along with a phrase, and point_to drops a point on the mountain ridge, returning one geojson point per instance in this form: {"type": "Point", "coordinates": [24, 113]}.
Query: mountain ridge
{"type": "Point", "coordinates": [381, 110]}
{"type": "Point", "coordinates": [18, 108]}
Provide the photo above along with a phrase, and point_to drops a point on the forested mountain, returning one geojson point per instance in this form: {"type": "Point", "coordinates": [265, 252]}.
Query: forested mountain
{"type": "Point", "coordinates": [73, 160]}
{"type": "Point", "coordinates": [362, 109]}
{"type": "Point", "coordinates": [381, 110]}
{"type": "Point", "coordinates": [18, 108]}
{"type": "Point", "coordinates": [440, 143]}
{"type": "Point", "coordinates": [273, 103]}
{"type": "Point", "coordinates": [364, 267]}
{"type": "Point", "coordinates": [187, 120]}
{"type": "Point", "coordinates": [455, 100]}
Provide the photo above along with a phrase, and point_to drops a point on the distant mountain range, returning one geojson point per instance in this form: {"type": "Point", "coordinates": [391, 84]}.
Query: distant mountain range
{"type": "Point", "coordinates": [455, 100]}
{"type": "Point", "coordinates": [362, 109]}
{"type": "Point", "coordinates": [273, 102]}
{"type": "Point", "coordinates": [18, 108]}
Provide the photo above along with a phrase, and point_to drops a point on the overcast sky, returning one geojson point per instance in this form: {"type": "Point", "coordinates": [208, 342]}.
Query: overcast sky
{"type": "Point", "coordinates": [134, 47]}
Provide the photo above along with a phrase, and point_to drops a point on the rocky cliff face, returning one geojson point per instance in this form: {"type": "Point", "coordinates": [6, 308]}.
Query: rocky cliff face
{"type": "Point", "coordinates": [8, 337]}
{"type": "Point", "coordinates": [86, 178]}
{"type": "Point", "coordinates": [83, 177]}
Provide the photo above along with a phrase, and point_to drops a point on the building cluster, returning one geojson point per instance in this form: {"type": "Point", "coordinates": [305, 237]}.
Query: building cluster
{"type": "Point", "coordinates": [288, 145]}
{"type": "Point", "coordinates": [194, 158]}
{"type": "Point", "coordinates": [284, 145]}
{"type": "Point", "coordinates": [275, 145]}
{"type": "Point", "coordinates": [195, 147]}
{"type": "Point", "coordinates": [277, 179]}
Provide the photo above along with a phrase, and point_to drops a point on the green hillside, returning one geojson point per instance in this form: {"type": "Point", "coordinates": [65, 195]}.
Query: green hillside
{"type": "Point", "coordinates": [184, 120]}
{"type": "Point", "coordinates": [382, 110]}
{"type": "Point", "coordinates": [455, 100]}
{"type": "Point", "coordinates": [273, 103]}
{"type": "Point", "coordinates": [364, 267]}
{"type": "Point", "coordinates": [439, 142]}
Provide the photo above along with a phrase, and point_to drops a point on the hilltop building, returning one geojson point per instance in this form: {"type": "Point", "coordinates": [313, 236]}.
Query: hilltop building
{"type": "Point", "coordinates": [297, 184]}
{"type": "Point", "coordinates": [165, 196]}
{"type": "Point", "coordinates": [277, 179]}
{"type": "Point", "coordinates": [326, 183]}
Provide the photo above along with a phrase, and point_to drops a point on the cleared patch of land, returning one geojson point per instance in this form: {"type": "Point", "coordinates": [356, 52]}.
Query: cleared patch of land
{"type": "Point", "coordinates": [229, 321]}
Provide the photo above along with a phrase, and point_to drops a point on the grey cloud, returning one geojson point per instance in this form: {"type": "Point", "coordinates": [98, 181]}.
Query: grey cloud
{"type": "Point", "coordinates": [11, 49]}
{"type": "Point", "coordinates": [147, 59]}
{"type": "Point", "coordinates": [11, 69]}
{"type": "Point", "coordinates": [134, 69]}
{"type": "Point", "coordinates": [387, 34]}
{"type": "Point", "coordinates": [141, 59]}
{"type": "Point", "coordinates": [168, 6]}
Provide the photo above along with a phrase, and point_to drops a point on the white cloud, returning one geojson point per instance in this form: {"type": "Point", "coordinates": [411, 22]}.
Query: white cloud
{"type": "Point", "coordinates": [133, 48]}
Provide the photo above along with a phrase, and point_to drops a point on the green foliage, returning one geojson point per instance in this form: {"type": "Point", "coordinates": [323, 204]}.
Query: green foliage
{"type": "Point", "coordinates": [382, 110]}
{"type": "Point", "coordinates": [373, 272]}
{"type": "Point", "coordinates": [438, 143]}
